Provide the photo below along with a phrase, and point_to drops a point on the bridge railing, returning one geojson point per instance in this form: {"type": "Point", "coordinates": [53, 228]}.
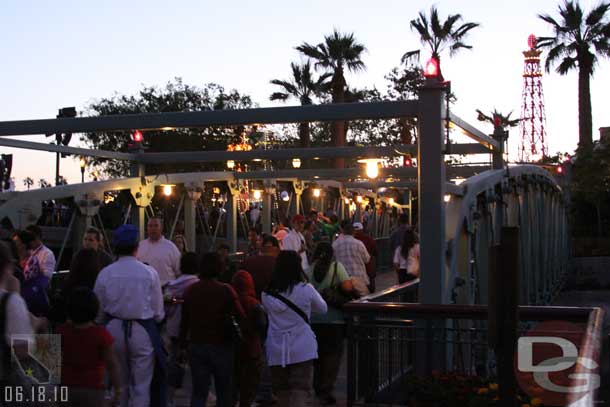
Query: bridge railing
{"type": "Point", "coordinates": [389, 342]}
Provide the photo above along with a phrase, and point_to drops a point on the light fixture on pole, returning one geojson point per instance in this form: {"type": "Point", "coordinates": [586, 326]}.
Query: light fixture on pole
{"type": "Point", "coordinates": [83, 164]}
{"type": "Point", "coordinates": [257, 194]}
{"type": "Point", "coordinates": [296, 163]}
{"type": "Point", "coordinates": [167, 189]}
{"type": "Point", "coordinates": [317, 192]}
{"type": "Point", "coordinates": [372, 166]}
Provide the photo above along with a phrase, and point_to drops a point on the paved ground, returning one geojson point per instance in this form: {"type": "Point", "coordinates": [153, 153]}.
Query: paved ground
{"type": "Point", "coordinates": [383, 281]}
{"type": "Point", "coordinates": [598, 298]}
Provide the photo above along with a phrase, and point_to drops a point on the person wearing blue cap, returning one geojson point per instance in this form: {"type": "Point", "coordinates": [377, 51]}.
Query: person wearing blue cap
{"type": "Point", "coordinates": [130, 296]}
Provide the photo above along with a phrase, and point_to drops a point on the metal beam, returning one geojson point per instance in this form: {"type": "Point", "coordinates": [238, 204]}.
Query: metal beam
{"type": "Point", "coordinates": [221, 155]}
{"type": "Point", "coordinates": [474, 133]}
{"type": "Point", "coordinates": [30, 145]}
{"type": "Point", "coordinates": [159, 121]}
{"type": "Point", "coordinates": [281, 154]}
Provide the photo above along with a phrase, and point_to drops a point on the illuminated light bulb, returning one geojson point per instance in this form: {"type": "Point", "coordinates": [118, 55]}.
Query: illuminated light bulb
{"type": "Point", "coordinates": [447, 198]}
{"type": "Point", "coordinates": [167, 190]}
{"type": "Point", "coordinates": [316, 192]}
{"type": "Point", "coordinates": [296, 163]}
{"type": "Point", "coordinates": [230, 164]}
{"type": "Point", "coordinates": [257, 194]}
{"type": "Point", "coordinates": [431, 70]}
{"type": "Point", "coordinates": [359, 199]}
{"type": "Point", "coordinates": [137, 136]}
{"type": "Point", "coordinates": [372, 167]}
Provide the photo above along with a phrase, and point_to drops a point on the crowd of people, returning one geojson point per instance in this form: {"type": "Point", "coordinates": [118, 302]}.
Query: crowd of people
{"type": "Point", "coordinates": [269, 330]}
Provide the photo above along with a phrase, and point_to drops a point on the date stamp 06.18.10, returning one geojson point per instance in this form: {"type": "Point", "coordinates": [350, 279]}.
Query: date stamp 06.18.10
{"type": "Point", "coordinates": [34, 376]}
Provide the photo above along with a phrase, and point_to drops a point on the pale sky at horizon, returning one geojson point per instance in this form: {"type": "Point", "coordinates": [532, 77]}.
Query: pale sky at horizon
{"type": "Point", "coordinates": [70, 53]}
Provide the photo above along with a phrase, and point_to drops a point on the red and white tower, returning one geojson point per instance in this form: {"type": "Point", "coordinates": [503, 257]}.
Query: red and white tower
{"type": "Point", "coordinates": [534, 143]}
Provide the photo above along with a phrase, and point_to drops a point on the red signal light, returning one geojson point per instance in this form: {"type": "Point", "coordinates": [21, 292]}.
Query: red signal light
{"type": "Point", "coordinates": [431, 70]}
{"type": "Point", "coordinates": [559, 170]}
{"type": "Point", "coordinates": [408, 162]}
{"type": "Point", "coordinates": [138, 137]}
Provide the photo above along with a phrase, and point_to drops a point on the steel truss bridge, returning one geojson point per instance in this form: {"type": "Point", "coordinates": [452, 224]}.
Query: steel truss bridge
{"type": "Point", "coordinates": [457, 223]}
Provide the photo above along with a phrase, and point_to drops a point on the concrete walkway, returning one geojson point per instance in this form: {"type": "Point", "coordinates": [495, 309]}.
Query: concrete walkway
{"type": "Point", "coordinates": [383, 281]}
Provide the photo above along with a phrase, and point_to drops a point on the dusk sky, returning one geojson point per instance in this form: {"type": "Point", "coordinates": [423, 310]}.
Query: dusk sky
{"type": "Point", "coordinates": [70, 53]}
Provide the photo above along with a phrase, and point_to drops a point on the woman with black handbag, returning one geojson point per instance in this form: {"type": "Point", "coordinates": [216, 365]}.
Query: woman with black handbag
{"type": "Point", "coordinates": [291, 344]}
{"type": "Point", "coordinates": [332, 282]}
{"type": "Point", "coordinates": [208, 325]}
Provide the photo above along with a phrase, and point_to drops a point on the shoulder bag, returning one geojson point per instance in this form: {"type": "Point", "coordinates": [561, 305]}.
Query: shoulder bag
{"type": "Point", "coordinates": [290, 305]}
{"type": "Point", "coordinates": [334, 295]}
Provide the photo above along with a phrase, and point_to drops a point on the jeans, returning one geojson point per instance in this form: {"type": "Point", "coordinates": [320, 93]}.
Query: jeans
{"type": "Point", "coordinates": [208, 360]}
{"type": "Point", "coordinates": [293, 384]}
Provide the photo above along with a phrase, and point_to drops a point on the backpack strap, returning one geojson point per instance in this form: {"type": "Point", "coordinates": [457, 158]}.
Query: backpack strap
{"type": "Point", "coordinates": [290, 305]}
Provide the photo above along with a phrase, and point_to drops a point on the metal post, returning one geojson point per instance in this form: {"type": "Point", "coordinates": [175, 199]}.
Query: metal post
{"type": "Point", "coordinates": [190, 224]}
{"type": "Point", "coordinates": [232, 226]}
{"type": "Point", "coordinates": [267, 202]}
{"type": "Point", "coordinates": [498, 155]}
{"type": "Point", "coordinates": [431, 188]}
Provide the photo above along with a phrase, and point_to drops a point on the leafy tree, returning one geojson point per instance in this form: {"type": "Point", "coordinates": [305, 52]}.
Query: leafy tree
{"type": "Point", "coordinates": [62, 180]}
{"type": "Point", "coordinates": [28, 182]}
{"type": "Point", "coordinates": [43, 183]}
{"type": "Point", "coordinates": [437, 36]}
{"type": "Point", "coordinates": [591, 179]}
{"type": "Point", "coordinates": [404, 84]}
{"type": "Point", "coordinates": [337, 53]}
{"type": "Point", "coordinates": [575, 44]}
{"type": "Point", "coordinates": [175, 96]}
{"type": "Point", "coordinates": [301, 86]}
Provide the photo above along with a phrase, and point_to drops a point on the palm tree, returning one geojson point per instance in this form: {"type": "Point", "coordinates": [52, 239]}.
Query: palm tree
{"type": "Point", "coordinates": [337, 53]}
{"type": "Point", "coordinates": [28, 182]}
{"type": "Point", "coordinates": [301, 86]}
{"type": "Point", "coordinates": [576, 41]}
{"type": "Point", "coordinates": [437, 36]}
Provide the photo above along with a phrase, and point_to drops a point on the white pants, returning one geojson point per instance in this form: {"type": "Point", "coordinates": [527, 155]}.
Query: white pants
{"type": "Point", "coordinates": [137, 362]}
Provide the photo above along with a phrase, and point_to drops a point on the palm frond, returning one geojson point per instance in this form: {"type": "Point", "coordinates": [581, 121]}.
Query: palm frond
{"type": "Point", "coordinates": [566, 65]}
{"type": "Point", "coordinates": [279, 96]}
{"type": "Point", "coordinates": [596, 15]}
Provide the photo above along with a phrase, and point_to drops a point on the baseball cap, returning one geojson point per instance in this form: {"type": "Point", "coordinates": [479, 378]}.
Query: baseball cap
{"type": "Point", "coordinates": [358, 226]}
{"type": "Point", "coordinates": [125, 235]}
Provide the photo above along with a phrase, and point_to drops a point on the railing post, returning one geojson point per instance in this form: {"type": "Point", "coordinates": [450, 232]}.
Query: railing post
{"type": "Point", "coordinates": [351, 363]}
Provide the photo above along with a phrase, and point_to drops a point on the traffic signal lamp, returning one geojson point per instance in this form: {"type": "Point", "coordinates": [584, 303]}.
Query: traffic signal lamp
{"type": "Point", "coordinates": [137, 141]}
{"type": "Point", "coordinates": [432, 68]}
{"type": "Point", "coordinates": [137, 136]}
{"type": "Point", "coordinates": [408, 161]}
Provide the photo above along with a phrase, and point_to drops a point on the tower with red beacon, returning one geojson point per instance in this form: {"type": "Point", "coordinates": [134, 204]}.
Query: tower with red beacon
{"type": "Point", "coordinates": [534, 141]}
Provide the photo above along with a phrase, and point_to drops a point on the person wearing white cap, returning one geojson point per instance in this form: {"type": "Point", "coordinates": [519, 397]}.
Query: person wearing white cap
{"type": "Point", "coordinates": [130, 297]}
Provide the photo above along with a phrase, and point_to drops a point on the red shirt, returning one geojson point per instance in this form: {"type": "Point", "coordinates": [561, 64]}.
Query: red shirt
{"type": "Point", "coordinates": [82, 353]}
{"type": "Point", "coordinates": [204, 311]}
{"type": "Point", "coordinates": [260, 268]}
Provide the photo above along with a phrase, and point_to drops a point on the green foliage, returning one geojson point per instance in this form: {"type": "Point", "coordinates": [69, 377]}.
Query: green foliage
{"type": "Point", "coordinates": [174, 97]}
{"type": "Point", "coordinates": [28, 182]}
{"type": "Point", "coordinates": [575, 45]}
{"type": "Point", "coordinates": [437, 36]}
{"type": "Point", "coordinates": [43, 183]}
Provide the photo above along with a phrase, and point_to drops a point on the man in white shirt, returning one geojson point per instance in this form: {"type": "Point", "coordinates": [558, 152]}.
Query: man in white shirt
{"type": "Point", "coordinates": [352, 253]}
{"type": "Point", "coordinates": [294, 240]}
{"type": "Point", "coordinates": [159, 253]}
{"type": "Point", "coordinates": [130, 297]}
{"type": "Point", "coordinates": [45, 256]}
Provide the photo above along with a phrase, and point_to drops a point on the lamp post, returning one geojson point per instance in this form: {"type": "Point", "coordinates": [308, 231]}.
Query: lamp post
{"type": "Point", "coordinates": [83, 164]}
